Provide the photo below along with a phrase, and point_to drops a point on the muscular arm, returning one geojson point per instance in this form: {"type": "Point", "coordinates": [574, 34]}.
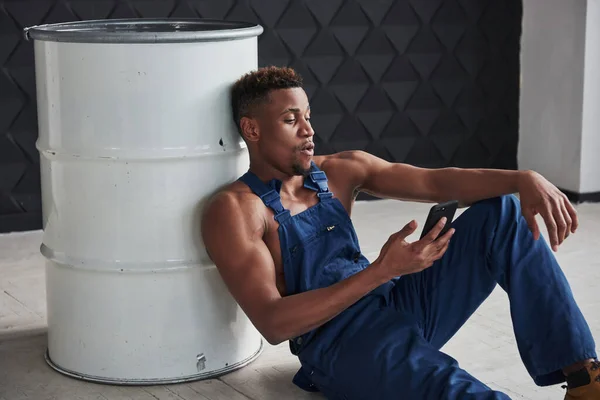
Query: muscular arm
{"type": "Point", "coordinates": [401, 181]}
{"type": "Point", "coordinates": [232, 235]}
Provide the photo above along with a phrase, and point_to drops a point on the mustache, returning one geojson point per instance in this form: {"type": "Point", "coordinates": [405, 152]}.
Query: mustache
{"type": "Point", "coordinates": [306, 146]}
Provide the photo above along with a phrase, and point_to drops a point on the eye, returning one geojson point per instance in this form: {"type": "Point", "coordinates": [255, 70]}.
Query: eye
{"type": "Point", "coordinates": [289, 121]}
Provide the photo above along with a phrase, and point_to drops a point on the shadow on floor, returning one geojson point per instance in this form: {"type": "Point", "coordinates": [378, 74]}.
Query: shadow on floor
{"type": "Point", "coordinates": [24, 374]}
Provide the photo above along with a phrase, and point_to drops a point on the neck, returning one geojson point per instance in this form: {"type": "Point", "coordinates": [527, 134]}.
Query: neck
{"type": "Point", "coordinates": [290, 184]}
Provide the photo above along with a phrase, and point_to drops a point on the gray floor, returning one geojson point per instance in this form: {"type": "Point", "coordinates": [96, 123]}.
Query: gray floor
{"type": "Point", "coordinates": [485, 346]}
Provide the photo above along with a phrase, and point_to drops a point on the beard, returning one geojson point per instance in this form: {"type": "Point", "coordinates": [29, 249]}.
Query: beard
{"type": "Point", "coordinates": [300, 170]}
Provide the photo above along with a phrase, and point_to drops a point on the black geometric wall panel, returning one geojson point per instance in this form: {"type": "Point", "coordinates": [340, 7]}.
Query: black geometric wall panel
{"type": "Point", "coordinates": [432, 83]}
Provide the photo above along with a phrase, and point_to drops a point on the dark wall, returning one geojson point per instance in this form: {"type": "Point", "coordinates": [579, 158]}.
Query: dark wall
{"type": "Point", "coordinates": [432, 83]}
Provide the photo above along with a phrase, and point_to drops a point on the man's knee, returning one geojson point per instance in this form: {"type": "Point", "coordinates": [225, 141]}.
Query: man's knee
{"type": "Point", "coordinates": [499, 201]}
{"type": "Point", "coordinates": [506, 205]}
{"type": "Point", "coordinates": [491, 213]}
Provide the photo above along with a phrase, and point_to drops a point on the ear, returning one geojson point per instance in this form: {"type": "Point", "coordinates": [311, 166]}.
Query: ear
{"type": "Point", "coordinates": [250, 130]}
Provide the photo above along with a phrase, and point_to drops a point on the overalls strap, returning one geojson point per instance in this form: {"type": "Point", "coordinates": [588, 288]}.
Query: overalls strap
{"type": "Point", "coordinates": [317, 180]}
{"type": "Point", "coordinates": [268, 193]}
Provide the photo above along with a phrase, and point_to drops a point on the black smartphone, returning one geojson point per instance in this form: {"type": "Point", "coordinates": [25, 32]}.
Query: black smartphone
{"type": "Point", "coordinates": [447, 209]}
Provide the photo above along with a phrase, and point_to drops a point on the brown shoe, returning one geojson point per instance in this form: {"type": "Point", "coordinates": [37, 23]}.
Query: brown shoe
{"type": "Point", "coordinates": [585, 383]}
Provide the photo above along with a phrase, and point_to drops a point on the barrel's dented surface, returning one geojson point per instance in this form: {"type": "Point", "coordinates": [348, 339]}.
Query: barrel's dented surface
{"type": "Point", "coordinates": [135, 131]}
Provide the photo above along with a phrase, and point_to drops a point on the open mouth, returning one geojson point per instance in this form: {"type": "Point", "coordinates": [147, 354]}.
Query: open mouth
{"type": "Point", "coordinates": [308, 149]}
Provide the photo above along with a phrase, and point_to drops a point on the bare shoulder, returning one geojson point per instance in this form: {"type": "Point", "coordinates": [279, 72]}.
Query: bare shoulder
{"type": "Point", "coordinates": [350, 167]}
{"type": "Point", "coordinates": [234, 195]}
{"type": "Point", "coordinates": [234, 207]}
{"type": "Point", "coordinates": [349, 158]}
{"type": "Point", "coordinates": [354, 159]}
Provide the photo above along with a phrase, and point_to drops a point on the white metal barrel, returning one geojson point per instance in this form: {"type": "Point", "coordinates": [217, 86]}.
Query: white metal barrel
{"type": "Point", "coordinates": [135, 132]}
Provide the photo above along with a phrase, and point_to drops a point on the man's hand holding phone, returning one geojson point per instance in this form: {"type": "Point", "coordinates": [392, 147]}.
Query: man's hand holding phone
{"type": "Point", "coordinates": [398, 257]}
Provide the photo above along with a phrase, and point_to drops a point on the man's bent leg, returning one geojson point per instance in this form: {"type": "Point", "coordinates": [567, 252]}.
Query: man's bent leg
{"type": "Point", "coordinates": [493, 244]}
{"type": "Point", "coordinates": [388, 359]}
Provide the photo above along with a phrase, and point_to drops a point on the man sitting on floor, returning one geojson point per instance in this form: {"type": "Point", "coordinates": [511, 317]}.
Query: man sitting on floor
{"type": "Point", "coordinates": [282, 238]}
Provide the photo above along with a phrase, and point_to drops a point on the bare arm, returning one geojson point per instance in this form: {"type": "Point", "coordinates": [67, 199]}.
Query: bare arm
{"type": "Point", "coordinates": [471, 185]}
{"type": "Point", "coordinates": [232, 235]}
{"type": "Point", "coordinates": [394, 180]}
{"type": "Point", "coordinates": [402, 181]}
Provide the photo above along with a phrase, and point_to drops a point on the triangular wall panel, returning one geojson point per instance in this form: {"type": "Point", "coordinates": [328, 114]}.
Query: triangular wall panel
{"type": "Point", "coordinates": [428, 82]}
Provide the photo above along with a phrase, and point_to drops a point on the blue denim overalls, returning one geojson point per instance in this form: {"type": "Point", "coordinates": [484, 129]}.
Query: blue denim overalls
{"type": "Point", "coordinates": [386, 345]}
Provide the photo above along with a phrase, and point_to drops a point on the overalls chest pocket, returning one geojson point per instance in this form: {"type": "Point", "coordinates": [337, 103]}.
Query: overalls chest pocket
{"type": "Point", "coordinates": [323, 232]}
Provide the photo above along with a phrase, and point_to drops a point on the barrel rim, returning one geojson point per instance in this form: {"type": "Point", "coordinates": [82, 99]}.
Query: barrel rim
{"type": "Point", "coordinates": [97, 31]}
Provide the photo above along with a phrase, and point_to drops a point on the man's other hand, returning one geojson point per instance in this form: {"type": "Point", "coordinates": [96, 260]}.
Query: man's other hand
{"type": "Point", "coordinates": [538, 196]}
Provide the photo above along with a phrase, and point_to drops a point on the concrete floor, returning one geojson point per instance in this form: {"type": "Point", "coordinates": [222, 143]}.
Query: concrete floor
{"type": "Point", "coordinates": [485, 346]}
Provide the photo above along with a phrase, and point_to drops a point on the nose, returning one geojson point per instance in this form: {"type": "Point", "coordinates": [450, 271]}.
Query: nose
{"type": "Point", "coordinates": [307, 130]}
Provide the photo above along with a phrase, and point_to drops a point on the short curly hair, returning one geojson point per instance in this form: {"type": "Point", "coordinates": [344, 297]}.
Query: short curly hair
{"type": "Point", "coordinates": [253, 89]}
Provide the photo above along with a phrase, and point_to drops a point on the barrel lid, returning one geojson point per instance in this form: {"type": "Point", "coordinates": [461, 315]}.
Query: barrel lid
{"type": "Point", "coordinates": [144, 30]}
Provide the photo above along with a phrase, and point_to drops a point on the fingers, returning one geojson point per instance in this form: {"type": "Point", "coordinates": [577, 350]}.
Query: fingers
{"type": "Point", "coordinates": [429, 252]}
{"type": "Point", "coordinates": [532, 223]}
{"type": "Point", "coordinates": [445, 238]}
{"type": "Point", "coordinates": [559, 220]}
{"type": "Point", "coordinates": [407, 230]}
{"type": "Point", "coordinates": [433, 251]}
{"type": "Point", "coordinates": [441, 245]}
{"type": "Point", "coordinates": [434, 232]}
{"type": "Point", "coordinates": [567, 216]}
{"type": "Point", "coordinates": [441, 251]}
{"type": "Point", "coordinates": [551, 225]}
{"type": "Point", "coordinates": [572, 213]}
{"type": "Point", "coordinates": [563, 219]}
